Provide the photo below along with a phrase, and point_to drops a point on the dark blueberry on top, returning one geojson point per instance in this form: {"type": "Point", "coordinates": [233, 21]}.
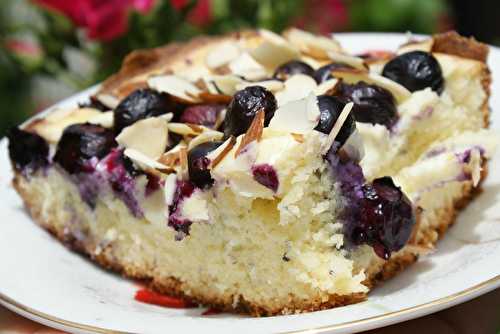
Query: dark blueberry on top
{"type": "Point", "coordinates": [141, 104]}
{"type": "Point", "coordinates": [286, 70]}
{"type": "Point", "coordinates": [80, 143]}
{"type": "Point", "coordinates": [94, 103]}
{"type": "Point", "coordinates": [330, 108]}
{"type": "Point", "coordinates": [386, 217]}
{"type": "Point", "coordinates": [203, 114]}
{"type": "Point", "coordinates": [244, 106]}
{"type": "Point", "coordinates": [325, 72]}
{"type": "Point", "coordinates": [198, 163]}
{"type": "Point", "coordinates": [372, 104]}
{"type": "Point", "coordinates": [28, 151]}
{"type": "Point", "coordinates": [415, 70]}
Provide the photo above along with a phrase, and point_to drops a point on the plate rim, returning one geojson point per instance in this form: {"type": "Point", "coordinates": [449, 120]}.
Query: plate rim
{"type": "Point", "coordinates": [357, 325]}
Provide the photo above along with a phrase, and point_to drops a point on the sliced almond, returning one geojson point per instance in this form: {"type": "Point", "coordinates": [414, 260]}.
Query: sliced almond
{"type": "Point", "coordinates": [108, 100]}
{"type": "Point", "coordinates": [247, 67]}
{"type": "Point", "coordinates": [144, 162]}
{"type": "Point", "coordinates": [399, 92]}
{"type": "Point", "coordinates": [299, 117]}
{"type": "Point", "coordinates": [326, 87]}
{"type": "Point", "coordinates": [225, 84]}
{"type": "Point", "coordinates": [105, 119]}
{"type": "Point", "coordinates": [254, 132]}
{"type": "Point", "coordinates": [167, 117]}
{"type": "Point", "coordinates": [343, 58]}
{"type": "Point", "coordinates": [222, 54]}
{"type": "Point", "coordinates": [414, 45]}
{"type": "Point", "coordinates": [170, 159]}
{"type": "Point", "coordinates": [296, 87]}
{"type": "Point", "coordinates": [274, 50]}
{"type": "Point", "coordinates": [312, 45]}
{"type": "Point", "coordinates": [185, 129]}
{"type": "Point", "coordinates": [336, 128]}
{"type": "Point", "coordinates": [52, 126]}
{"type": "Point", "coordinates": [220, 152]}
{"type": "Point", "coordinates": [214, 98]}
{"type": "Point", "coordinates": [175, 86]}
{"type": "Point", "coordinates": [148, 136]}
{"type": "Point", "coordinates": [272, 85]}
{"type": "Point", "coordinates": [204, 137]}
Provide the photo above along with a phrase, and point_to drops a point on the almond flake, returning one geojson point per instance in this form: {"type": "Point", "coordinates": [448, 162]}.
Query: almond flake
{"type": "Point", "coordinates": [104, 119]}
{"type": "Point", "coordinates": [272, 85]}
{"type": "Point", "coordinates": [247, 67]}
{"type": "Point", "coordinates": [108, 100]}
{"type": "Point", "coordinates": [343, 58]}
{"type": "Point", "coordinates": [143, 161]}
{"type": "Point", "coordinates": [205, 137]}
{"type": "Point", "coordinates": [312, 45]}
{"type": "Point", "coordinates": [128, 88]}
{"type": "Point", "coordinates": [136, 137]}
{"type": "Point", "coordinates": [399, 92]}
{"type": "Point", "coordinates": [185, 129]}
{"type": "Point", "coordinates": [254, 132]}
{"type": "Point", "coordinates": [296, 87]}
{"type": "Point", "coordinates": [424, 45]}
{"type": "Point", "coordinates": [274, 50]}
{"type": "Point", "coordinates": [326, 87]}
{"type": "Point", "coordinates": [336, 128]}
{"type": "Point", "coordinates": [222, 54]}
{"type": "Point", "coordinates": [224, 84]}
{"type": "Point", "coordinates": [175, 86]}
{"type": "Point", "coordinates": [171, 159]}
{"type": "Point", "coordinates": [220, 153]}
{"type": "Point", "coordinates": [300, 116]}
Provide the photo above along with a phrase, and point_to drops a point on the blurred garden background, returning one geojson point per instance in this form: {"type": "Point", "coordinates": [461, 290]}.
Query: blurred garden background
{"type": "Point", "coordinates": [50, 49]}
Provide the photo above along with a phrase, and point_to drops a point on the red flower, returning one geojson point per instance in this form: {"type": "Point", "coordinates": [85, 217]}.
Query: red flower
{"type": "Point", "coordinates": [201, 13]}
{"type": "Point", "coordinates": [23, 48]}
{"type": "Point", "coordinates": [324, 16]}
{"type": "Point", "coordinates": [103, 20]}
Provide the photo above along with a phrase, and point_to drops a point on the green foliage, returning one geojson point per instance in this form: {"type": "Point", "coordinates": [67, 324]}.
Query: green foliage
{"type": "Point", "coordinates": [420, 16]}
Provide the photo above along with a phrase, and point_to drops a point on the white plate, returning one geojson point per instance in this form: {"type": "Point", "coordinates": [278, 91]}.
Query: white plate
{"type": "Point", "coordinates": [42, 280]}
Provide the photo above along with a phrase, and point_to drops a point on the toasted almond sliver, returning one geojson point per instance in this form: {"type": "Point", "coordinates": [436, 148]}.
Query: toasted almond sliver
{"type": "Point", "coordinates": [254, 132]}
{"type": "Point", "coordinates": [214, 98]}
{"type": "Point", "coordinates": [222, 151]}
{"type": "Point", "coordinates": [352, 76]}
{"type": "Point", "coordinates": [274, 51]}
{"type": "Point", "coordinates": [312, 45]}
{"type": "Point", "coordinates": [184, 163]}
{"type": "Point", "coordinates": [336, 128]}
{"type": "Point", "coordinates": [300, 116]}
{"type": "Point", "coordinates": [175, 86]}
{"type": "Point", "coordinates": [224, 84]}
{"type": "Point", "coordinates": [343, 58]}
{"type": "Point", "coordinates": [298, 137]}
{"type": "Point", "coordinates": [170, 159]}
{"type": "Point", "coordinates": [247, 67]}
{"type": "Point", "coordinates": [296, 87]}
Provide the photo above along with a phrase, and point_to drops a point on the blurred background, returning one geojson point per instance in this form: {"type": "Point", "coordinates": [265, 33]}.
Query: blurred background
{"type": "Point", "coordinates": [50, 49]}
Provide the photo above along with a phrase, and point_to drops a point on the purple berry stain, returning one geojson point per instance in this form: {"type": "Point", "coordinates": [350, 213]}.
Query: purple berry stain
{"type": "Point", "coordinates": [183, 190]}
{"type": "Point", "coordinates": [154, 184]}
{"type": "Point", "coordinates": [266, 175]}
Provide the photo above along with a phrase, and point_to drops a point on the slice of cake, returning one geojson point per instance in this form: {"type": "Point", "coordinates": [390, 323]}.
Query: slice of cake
{"type": "Point", "coordinates": [263, 173]}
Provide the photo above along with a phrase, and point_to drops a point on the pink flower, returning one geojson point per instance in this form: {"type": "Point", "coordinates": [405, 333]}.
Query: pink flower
{"type": "Point", "coordinates": [102, 20]}
{"type": "Point", "coordinates": [23, 48]}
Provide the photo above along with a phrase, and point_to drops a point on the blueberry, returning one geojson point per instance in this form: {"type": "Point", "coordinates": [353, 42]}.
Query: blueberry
{"type": "Point", "coordinates": [325, 72]}
{"type": "Point", "coordinates": [330, 108]}
{"type": "Point", "coordinates": [198, 163]}
{"type": "Point", "coordinates": [372, 104]}
{"type": "Point", "coordinates": [415, 70]}
{"type": "Point", "coordinates": [203, 114]}
{"type": "Point", "coordinates": [244, 106]}
{"type": "Point", "coordinates": [386, 218]}
{"type": "Point", "coordinates": [80, 143]}
{"type": "Point", "coordinates": [28, 151]}
{"type": "Point", "coordinates": [292, 67]}
{"type": "Point", "coordinates": [140, 104]}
